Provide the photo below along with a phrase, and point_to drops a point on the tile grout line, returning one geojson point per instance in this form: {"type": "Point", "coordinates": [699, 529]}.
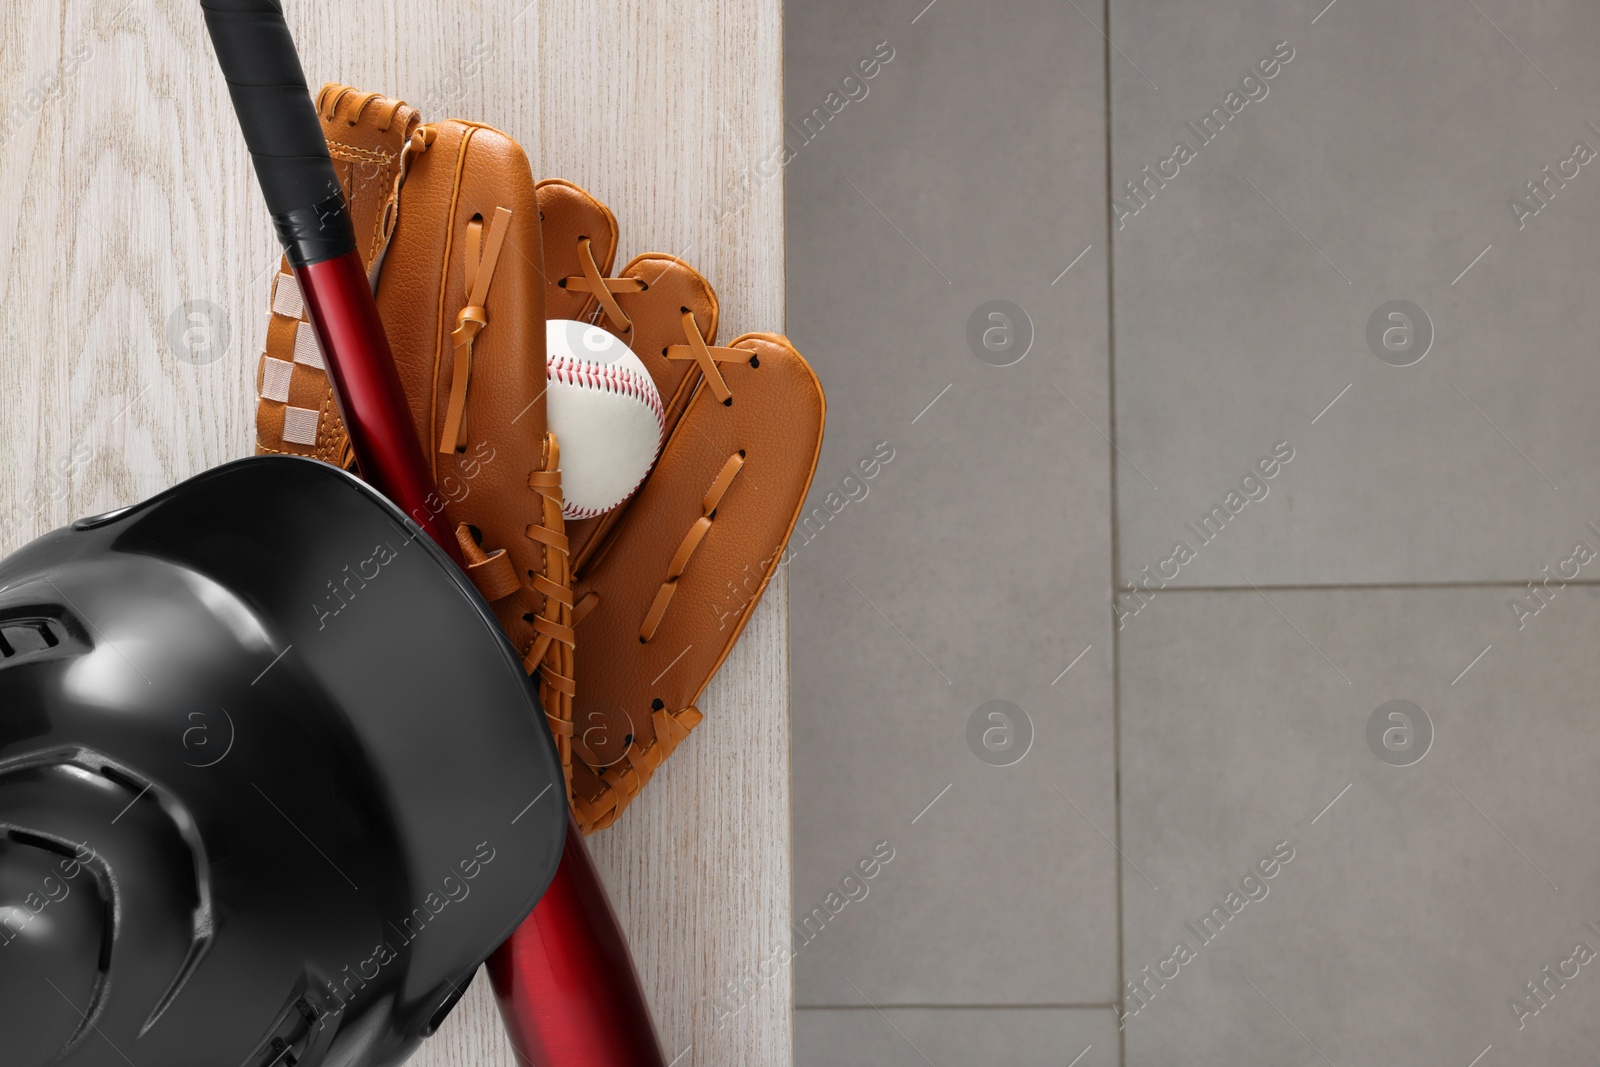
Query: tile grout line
{"type": "Point", "coordinates": [1339, 587]}
{"type": "Point", "coordinates": [1116, 561]}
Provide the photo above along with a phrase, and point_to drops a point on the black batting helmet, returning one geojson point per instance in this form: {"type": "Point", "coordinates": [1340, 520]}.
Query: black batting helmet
{"type": "Point", "coordinates": [272, 782]}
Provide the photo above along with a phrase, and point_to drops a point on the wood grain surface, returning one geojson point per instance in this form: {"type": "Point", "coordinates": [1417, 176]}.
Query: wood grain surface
{"type": "Point", "coordinates": [134, 263]}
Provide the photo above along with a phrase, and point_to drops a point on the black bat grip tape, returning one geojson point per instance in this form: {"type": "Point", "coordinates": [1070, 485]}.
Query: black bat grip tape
{"type": "Point", "coordinates": [281, 129]}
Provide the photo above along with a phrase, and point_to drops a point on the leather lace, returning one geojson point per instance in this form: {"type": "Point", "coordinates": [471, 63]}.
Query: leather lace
{"type": "Point", "coordinates": [551, 652]}
{"type": "Point", "coordinates": [695, 348]}
{"type": "Point", "coordinates": [706, 356]}
{"type": "Point", "coordinates": [480, 263]}
{"type": "Point", "coordinates": [603, 288]}
{"type": "Point", "coordinates": [420, 141]}
{"type": "Point", "coordinates": [691, 541]}
{"type": "Point", "coordinates": [629, 775]}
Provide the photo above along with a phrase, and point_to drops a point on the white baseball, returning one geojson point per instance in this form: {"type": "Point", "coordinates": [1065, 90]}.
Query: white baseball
{"type": "Point", "coordinates": [605, 413]}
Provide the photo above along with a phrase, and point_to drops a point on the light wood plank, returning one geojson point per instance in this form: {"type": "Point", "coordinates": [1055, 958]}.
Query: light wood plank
{"type": "Point", "coordinates": [125, 191]}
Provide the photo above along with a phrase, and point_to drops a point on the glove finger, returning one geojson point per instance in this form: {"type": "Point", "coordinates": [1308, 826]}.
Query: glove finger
{"type": "Point", "coordinates": [673, 289]}
{"type": "Point", "coordinates": [683, 571]}
{"type": "Point", "coordinates": [570, 216]}
{"type": "Point", "coordinates": [365, 133]}
{"type": "Point", "coordinates": [656, 318]}
{"type": "Point", "coordinates": [469, 211]}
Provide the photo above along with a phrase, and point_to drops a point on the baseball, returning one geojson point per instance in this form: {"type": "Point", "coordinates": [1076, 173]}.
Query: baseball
{"type": "Point", "coordinates": [605, 413]}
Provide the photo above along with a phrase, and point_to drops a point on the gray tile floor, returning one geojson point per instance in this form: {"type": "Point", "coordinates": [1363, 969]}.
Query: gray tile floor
{"type": "Point", "coordinates": [1164, 613]}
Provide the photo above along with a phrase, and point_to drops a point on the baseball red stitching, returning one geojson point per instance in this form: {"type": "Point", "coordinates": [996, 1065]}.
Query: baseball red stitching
{"type": "Point", "coordinates": [612, 379]}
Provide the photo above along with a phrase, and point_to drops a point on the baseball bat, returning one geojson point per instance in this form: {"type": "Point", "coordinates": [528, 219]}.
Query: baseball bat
{"type": "Point", "coordinates": [567, 985]}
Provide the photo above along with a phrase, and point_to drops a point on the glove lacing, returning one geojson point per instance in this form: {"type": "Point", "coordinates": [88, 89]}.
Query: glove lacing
{"type": "Point", "coordinates": [481, 259]}
{"type": "Point", "coordinates": [627, 776]}
{"type": "Point", "coordinates": [604, 291]}
{"type": "Point", "coordinates": [602, 288]}
{"type": "Point", "coordinates": [630, 773]}
{"type": "Point", "coordinates": [690, 542]}
{"type": "Point", "coordinates": [551, 652]}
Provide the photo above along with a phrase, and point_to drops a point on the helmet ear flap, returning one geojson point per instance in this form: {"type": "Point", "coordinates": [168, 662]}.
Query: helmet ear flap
{"type": "Point", "coordinates": [55, 930]}
{"type": "Point", "coordinates": [99, 881]}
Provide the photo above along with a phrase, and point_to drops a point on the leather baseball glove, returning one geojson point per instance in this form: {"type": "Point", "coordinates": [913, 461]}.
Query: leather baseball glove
{"type": "Point", "coordinates": [625, 617]}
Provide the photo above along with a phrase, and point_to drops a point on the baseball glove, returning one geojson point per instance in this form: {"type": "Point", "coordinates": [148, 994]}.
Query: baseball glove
{"type": "Point", "coordinates": [625, 616]}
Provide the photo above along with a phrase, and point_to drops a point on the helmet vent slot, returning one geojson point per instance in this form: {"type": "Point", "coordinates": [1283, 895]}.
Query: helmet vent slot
{"type": "Point", "coordinates": [20, 637]}
{"type": "Point", "coordinates": [126, 781]}
{"type": "Point", "coordinates": [23, 837]}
